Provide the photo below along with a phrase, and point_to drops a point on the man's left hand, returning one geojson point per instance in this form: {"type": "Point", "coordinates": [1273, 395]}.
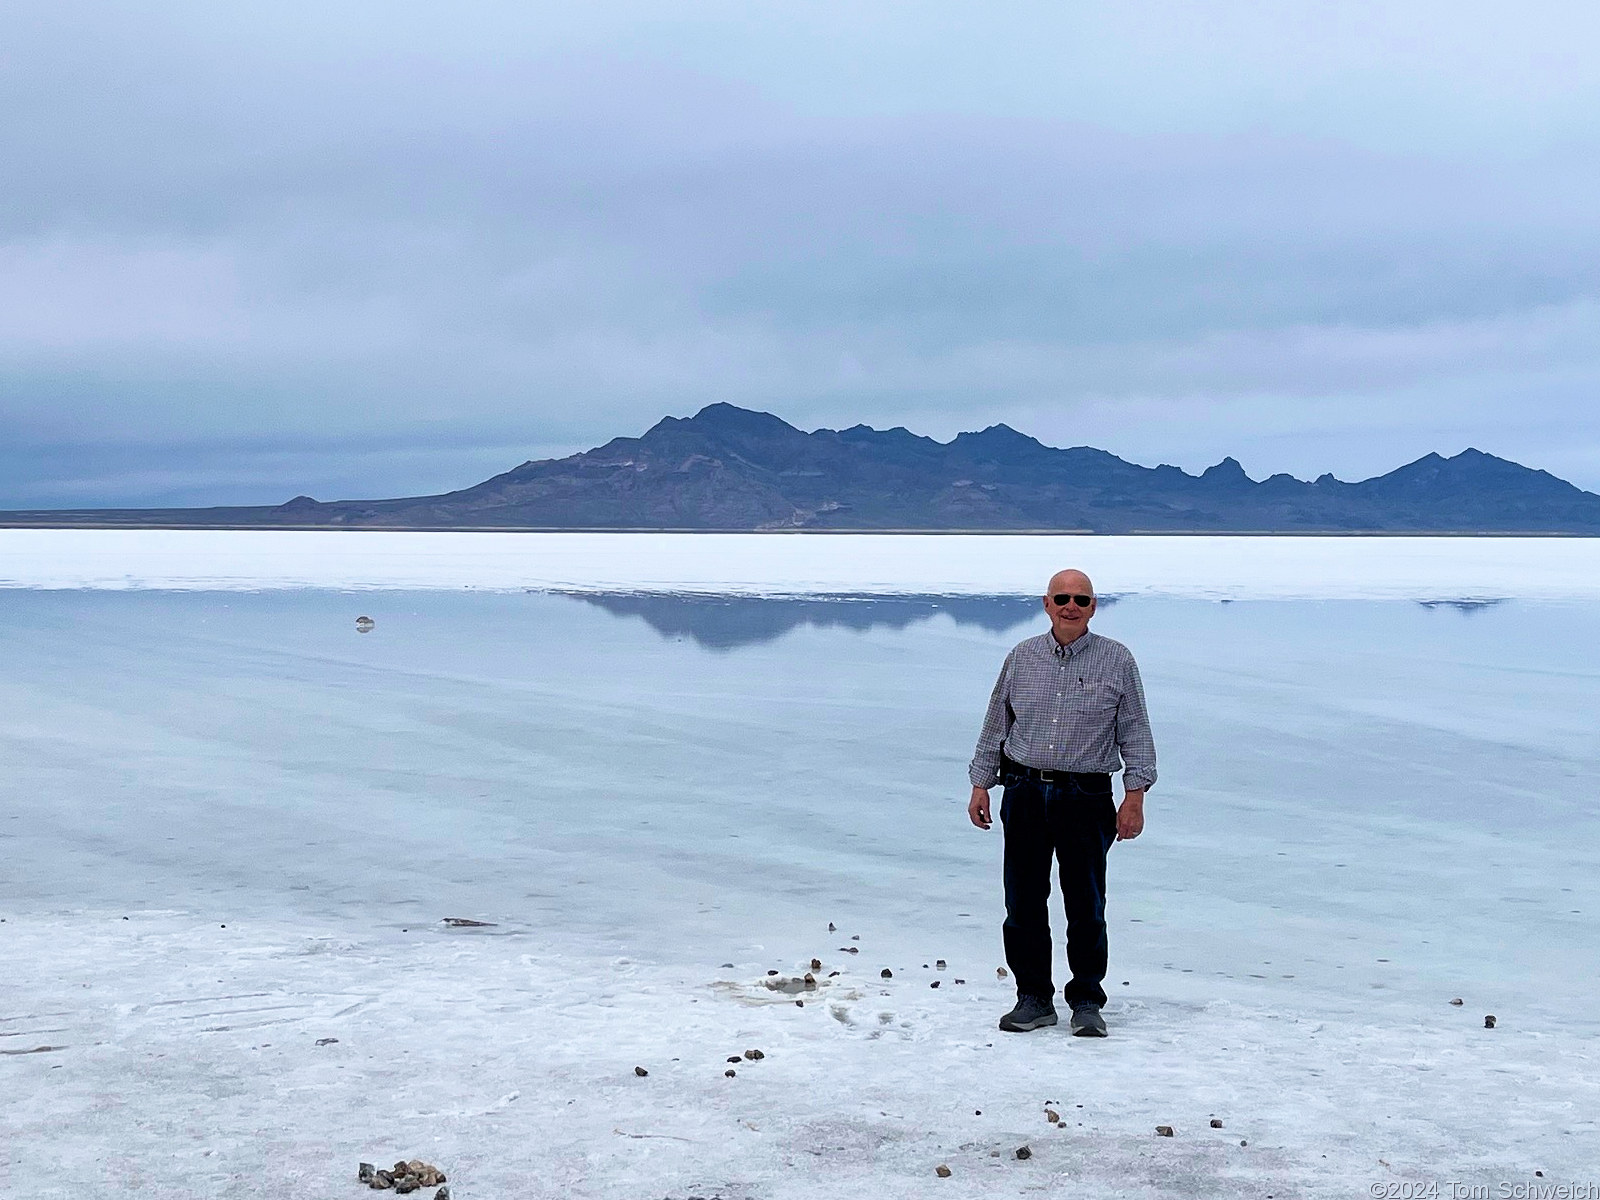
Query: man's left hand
{"type": "Point", "coordinates": [1130, 816]}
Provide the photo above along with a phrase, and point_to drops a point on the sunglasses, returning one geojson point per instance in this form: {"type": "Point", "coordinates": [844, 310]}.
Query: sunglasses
{"type": "Point", "coordinates": [1060, 600]}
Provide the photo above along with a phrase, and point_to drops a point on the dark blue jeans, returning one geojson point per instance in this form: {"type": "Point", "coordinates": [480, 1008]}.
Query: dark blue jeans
{"type": "Point", "coordinates": [1074, 822]}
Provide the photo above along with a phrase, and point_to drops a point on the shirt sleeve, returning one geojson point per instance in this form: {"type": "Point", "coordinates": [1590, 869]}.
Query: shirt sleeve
{"type": "Point", "coordinates": [985, 768]}
{"type": "Point", "coordinates": [1134, 740]}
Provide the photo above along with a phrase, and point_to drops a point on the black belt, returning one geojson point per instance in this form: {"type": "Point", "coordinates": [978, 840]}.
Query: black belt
{"type": "Point", "coordinates": [1010, 767]}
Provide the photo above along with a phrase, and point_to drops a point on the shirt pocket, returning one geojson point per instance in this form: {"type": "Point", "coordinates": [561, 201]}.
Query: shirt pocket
{"type": "Point", "coordinates": [1097, 697]}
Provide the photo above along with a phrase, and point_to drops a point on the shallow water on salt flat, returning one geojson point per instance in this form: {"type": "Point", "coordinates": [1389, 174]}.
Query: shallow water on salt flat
{"type": "Point", "coordinates": [1359, 799]}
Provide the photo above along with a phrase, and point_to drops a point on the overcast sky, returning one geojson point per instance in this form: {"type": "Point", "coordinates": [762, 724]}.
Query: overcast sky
{"type": "Point", "coordinates": [368, 249]}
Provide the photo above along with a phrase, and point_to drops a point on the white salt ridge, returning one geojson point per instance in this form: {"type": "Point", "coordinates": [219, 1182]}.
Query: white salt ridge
{"type": "Point", "coordinates": [1442, 568]}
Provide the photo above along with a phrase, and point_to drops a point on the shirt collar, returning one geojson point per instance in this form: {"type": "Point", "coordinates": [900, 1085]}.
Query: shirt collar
{"type": "Point", "coordinates": [1073, 648]}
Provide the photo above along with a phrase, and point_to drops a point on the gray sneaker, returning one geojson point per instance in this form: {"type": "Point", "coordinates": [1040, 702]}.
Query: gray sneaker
{"type": "Point", "coordinates": [1031, 1012]}
{"type": "Point", "coordinates": [1087, 1022]}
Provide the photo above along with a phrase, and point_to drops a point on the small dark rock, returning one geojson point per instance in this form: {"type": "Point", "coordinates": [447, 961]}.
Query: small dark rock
{"type": "Point", "coordinates": [381, 1180]}
{"type": "Point", "coordinates": [730, 1072]}
{"type": "Point", "coordinates": [799, 1003]}
{"type": "Point", "coordinates": [771, 972]}
{"type": "Point", "coordinates": [958, 982]}
{"type": "Point", "coordinates": [1163, 1130]}
{"type": "Point", "coordinates": [640, 1072]}
{"type": "Point", "coordinates": [442, 1194]}
{"type": "Point", "coordinates": [733, 1058]}
{"type": "Point", "coordinates": [365, 1172]}
{"type": "Point", "coordinates": [468, 923]}
{"type": "Point", "coordinates": [1216, 1122]}
{"type": "Point", "coordinates": [1458, 1002]}
{"type": "Point", "coordinates": [942, 1171]}
{"type": "Point", "coordinates": [935, 983]}
{"type": "Point", "coordinates": [1024, 1152]}
{"type": "Point", "coordinates": [400, 1168]}
{"type": "Point", "coordinates": [727, 966]}
{"type": "Point", "coordinates": [831, 974]}
{"type": "Point", "coordinates": [1488, 1022]}
{"type": "Point", "coordinates": [327, 1041]}
{"type": "Point", "coordinates": [1242, 1142]}
{"type": "Point", "coordinates": [832, 927]}
{"type": "Point", "coordinates": [886, 973]}
{"type": "Point", "coordinates": [855, 937]}
{"type": "Point", "coordinates": [816, 964]}
{"type": "Point", "coordinates": [1000, 972]}
{"type": "Point", "coordinates": [938, 964]}
{"type": "Point", "coordinates": [406, 1183]}
{"type": "Point", "coordinates": [810, 980]}
{"type": "Point", "coordinates": [753, 1055]}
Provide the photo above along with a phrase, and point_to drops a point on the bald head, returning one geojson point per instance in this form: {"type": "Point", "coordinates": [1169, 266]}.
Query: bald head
{"type": "Point", "coordinates": [1069, 620]}
{"type": "Point", "coordinates": [1069, 581]}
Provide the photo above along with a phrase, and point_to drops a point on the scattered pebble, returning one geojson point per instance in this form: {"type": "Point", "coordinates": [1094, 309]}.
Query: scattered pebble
{"type": "Point", "coordinates": [733, 1058]}
{"type": "Point", "coordinates": [754, 1055]}
{"type": "Point", "coordinates": [1242, 1142]}
{"type": "Point", "coordinates": [939, 964]}
{"type": "Point", "coordinates": [727, 966]}
{"type": "Point", "coordinates": [406, 1183]}
{"type": "Point", "coordinates": [730, 1072]}
{"type": "Point", "coordinates": [934, 984]}
{"type": "Point", "coordinates": [468, 923]}
{"type": "Point", "coordinates": [855, 937]}
{"type": "Point", "coordinates": [811, 980]}
{"type": "Point", "coordinates": [771, 972]}
{"type": "Point", "coordinates": [364, 624]}
{"type": "Point", "coordinates": [1216, 1122]}
{"type": "Point", "coordinates": [380, 1180]}
{"type": "Point", "coordinates": [886, 973]}
{"type": "Point", "coordinates": [799, 1003]}
{"type": "Point", "coordinates": [1024, 1153]}
{"type": "Point", "coordinates": [442, 1194]}
{"type": "Point", "coordinates": [832, 927]}
{"type": "Point", "coordinates": [1000, 972]}
{"type": "Point", "coordinates": [1488, 1022]}
{"type": "Point", "coordinates": [1163, 1130]}
{"type": "Point", "coordinates": [1052, 1115]}
{"type": "Point", "coordinates": [365, 1172]}
{"type": "Point", "coordinates": [816, 964]}
{"type": "Point", "coordinates": [942, 1171]}
{"type": "Point", "coordinates": [831, 974]}
{"type": "Point", "coordinates": [977, 1112]}
{"type": "Point", "coordinates": [958, 982]}
{"type": "Point", "coordinates": [1458, 1002]}
{"type": "Point", "coordinates": [640, 1072]}
{"type": "Point", "coordinates": [326, 1041]}
{"type": "Point", "coordinates": [851, 949]}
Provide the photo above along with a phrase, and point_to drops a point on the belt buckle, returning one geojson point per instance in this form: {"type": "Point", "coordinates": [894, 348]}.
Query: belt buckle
{"type": "Point", "coordinates": [1048, 776]}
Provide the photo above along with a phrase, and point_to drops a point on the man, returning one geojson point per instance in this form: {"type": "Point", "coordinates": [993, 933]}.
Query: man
{"type": "Point", "coordinates": [1067, 711]}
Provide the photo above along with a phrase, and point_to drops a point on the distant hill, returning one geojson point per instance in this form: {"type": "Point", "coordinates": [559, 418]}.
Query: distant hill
{"type": "Point", "coordinates": [728, 468]}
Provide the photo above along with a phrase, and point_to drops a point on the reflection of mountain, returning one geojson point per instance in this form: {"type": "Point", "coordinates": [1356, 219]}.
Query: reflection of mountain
{"type": "Point", "coordinates": [725, 622]}
{"type": "Point", "coordinates": [1466, 606]}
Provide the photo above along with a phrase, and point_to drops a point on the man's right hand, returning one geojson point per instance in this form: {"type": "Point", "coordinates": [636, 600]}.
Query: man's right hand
{"type": "Point", "coordinates": [978, 808]}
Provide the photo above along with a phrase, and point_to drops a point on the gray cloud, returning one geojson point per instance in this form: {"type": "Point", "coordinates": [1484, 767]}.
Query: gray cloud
{"type": "Point", "coordinates": [394, 248]}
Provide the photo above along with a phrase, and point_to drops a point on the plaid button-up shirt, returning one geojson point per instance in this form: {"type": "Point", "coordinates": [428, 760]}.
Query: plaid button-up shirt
{"type": "Point", "coordinates": [1078, 707]}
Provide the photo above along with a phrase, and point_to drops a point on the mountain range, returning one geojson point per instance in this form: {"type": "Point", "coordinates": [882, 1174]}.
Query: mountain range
{"type": "Point", "coordinates": [728, 468]}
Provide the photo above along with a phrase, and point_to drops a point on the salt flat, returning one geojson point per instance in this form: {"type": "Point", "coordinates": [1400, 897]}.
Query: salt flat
{"type": "Point", "coordinates": [232, 826]}
{"type": "Point", "coordinates": [777, 564]}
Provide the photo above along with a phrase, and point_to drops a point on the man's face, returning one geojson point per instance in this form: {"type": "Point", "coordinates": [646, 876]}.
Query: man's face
{"type": "Point", "coordinates": [1069, 620]}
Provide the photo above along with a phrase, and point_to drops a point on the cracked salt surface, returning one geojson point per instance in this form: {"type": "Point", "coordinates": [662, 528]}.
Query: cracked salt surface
{"type": "Point", "coordinates": [233, 827]}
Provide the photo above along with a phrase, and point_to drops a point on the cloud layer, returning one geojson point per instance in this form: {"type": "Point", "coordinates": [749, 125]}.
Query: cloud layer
{"type": "Point", "coordinates": [396, 247]}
